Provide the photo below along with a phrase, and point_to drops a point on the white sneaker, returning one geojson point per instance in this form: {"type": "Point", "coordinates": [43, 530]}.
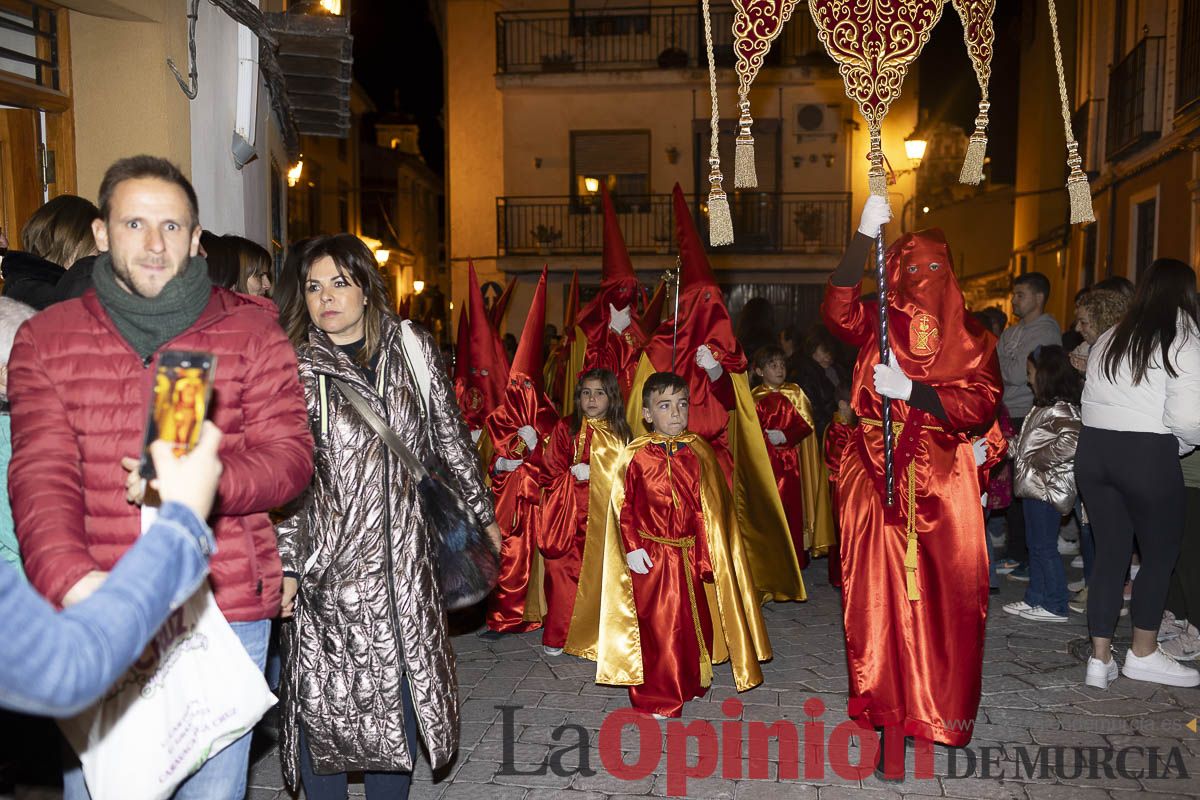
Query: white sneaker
{"type": "Point", "coordinates": [1076, 586]}
{"type": "Point", "coordinates": [1158, 667]}
{"type": "Point", "coordinates": [1039, 614]}
{"type": "Point", "coordinates": [1077, 562]}
{"type": "Point", "coordinates": [1100, 674]}
{"type": "Point", "coordinates": [552, 651]}
{"type": "Point", "coordinates": [1017, 607]}
{"type": "Point", "coordinates": [1067, 547]}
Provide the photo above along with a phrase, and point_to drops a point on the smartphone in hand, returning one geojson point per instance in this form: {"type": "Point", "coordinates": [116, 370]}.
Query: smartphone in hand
{"type": "Point", "coordinates": [178, 402]}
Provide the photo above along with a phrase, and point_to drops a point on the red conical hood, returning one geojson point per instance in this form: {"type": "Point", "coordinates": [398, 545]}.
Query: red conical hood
{"type": "Point", "coordinates": [529, 359]}
{"type": "Point", "coordinates": [572, 311]}
{"type": "Point", "coordinates": [654, 309]}
{"type": "Point", "coordinates": [695, 272]}
{"type": "Point", "coordinates": [616, 263]}
{"type": "Point", "coordinates": [501, 306]}
{"type": "Point", "coordinates": [480, 365]}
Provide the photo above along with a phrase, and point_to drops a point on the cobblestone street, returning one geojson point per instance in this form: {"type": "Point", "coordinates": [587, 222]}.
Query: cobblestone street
{"type": "Point", "coordinates": [1033, 698]}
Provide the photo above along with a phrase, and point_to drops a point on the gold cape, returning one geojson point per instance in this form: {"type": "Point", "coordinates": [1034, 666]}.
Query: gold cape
{"type": "Point", "coordinates": [585, 618]}
{"type": "Point", "coordinates": [762, 523]}
{"type": "Point", "coordinates": [814, 477]}
{"type": "Point", "coordinates": [739, 633]}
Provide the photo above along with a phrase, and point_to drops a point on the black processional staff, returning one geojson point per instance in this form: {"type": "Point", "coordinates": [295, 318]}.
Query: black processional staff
{"type": "Point", "coordinates": [884, 357]}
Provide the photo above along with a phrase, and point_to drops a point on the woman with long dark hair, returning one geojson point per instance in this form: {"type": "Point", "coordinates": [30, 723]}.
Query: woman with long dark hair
{"type": "Point", "coordinates": [368, 655]}
{"type": "Point", "coordinates": [1141, 411]}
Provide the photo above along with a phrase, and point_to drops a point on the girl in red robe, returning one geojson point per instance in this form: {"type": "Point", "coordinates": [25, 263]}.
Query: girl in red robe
{"type": "Point", "coordinates": [577, 464]}
{"type": "Point", "coordinates": [783, 428]}
{"type": "Point", "coordinates": [915, 573]}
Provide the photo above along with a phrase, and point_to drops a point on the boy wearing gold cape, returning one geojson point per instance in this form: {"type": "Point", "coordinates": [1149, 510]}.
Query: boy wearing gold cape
{"type": "Point", "coordinates": [677, 594]}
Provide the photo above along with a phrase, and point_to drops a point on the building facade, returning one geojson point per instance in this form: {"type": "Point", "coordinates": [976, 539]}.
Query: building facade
{"type": "Point", "coordinates": [547, 99]}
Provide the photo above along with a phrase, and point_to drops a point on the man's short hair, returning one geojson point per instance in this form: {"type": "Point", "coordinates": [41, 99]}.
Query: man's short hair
{"type": "Point", "coordinates": [1036, 281]}
{"type": "Point", "coordinates": [662, 382]}
{"type": "Point", "coordinates": [135, 167]}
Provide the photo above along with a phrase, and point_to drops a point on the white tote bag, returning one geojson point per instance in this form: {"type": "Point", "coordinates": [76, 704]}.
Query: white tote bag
{"type": "Point", "coordinates": [193, 692]}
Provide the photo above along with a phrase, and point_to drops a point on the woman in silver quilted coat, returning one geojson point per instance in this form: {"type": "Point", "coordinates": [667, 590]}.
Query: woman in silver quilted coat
{"type": "Point", "coordinates": [367, 660]}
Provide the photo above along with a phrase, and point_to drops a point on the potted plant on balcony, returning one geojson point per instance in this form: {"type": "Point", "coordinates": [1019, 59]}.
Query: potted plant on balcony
{"type": "Point", "coordinates": [810, 223]}
{"type": "Point", "coordinates": [558, 62]}
{"type": "Point", "coordinates": [546, 236]}
{"type": "Point", "coordinates": [673, 58]}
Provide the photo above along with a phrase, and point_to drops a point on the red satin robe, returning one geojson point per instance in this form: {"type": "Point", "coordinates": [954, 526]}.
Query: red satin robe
{"type": "Point", "coordinates": [616, 352]}
{"type": "Point", "coordinates": [518, 495]}
{"type": "Point", "coordinates": [563, 529]}
{"type": "Point", "coordinates": [776, 412]}
{"type": "Point", "coordinates": [913, 663]}
{"type": "Point", "coordinates": [837, 436]}
{"type": "Point", "coordinates": [662, 499]}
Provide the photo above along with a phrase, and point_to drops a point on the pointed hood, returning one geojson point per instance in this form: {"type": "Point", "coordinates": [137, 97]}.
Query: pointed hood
{"type": "Point", "coordinates": [654, 309]}
{"type": "Point", "coordinates": [618, 282]}
{"type": "Point", "coordinates": [525, 401]}
{"type": "Point", "coordinates": [480, 369]}
{"type": "Point", "coordinates": [703, 316]}
{"type": "Point", "coordinates": [572, 312]}
{"type": "Point", "coordinates": [696, 271]}
{"type": "Point", "coordinates": [501, 307]}
{"type": "Point", "coordinates": [529, 358]}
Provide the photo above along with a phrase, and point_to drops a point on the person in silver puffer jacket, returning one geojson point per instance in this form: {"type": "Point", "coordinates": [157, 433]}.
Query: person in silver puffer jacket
{"type": "Point", "coordinates": [368, 665]}
{"type": "Point", "coordinates": [1044, 475]}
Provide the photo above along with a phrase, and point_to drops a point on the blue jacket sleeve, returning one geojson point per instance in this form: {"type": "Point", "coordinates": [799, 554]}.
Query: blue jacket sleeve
{"type": "Point", "coordinates": [57, 664]}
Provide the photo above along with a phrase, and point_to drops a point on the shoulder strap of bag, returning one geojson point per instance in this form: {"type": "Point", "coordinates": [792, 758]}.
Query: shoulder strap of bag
{"type": "Point", "coordinates": [381, 428]}
{"type": "Point", "coordinates": [418, 369]}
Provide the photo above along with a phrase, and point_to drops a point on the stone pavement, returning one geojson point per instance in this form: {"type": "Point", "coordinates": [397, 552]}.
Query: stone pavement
{"type": "Point", "coordinates": [1033, 698]}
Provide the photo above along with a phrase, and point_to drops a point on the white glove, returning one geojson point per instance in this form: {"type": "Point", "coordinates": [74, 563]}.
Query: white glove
{"type": "Point", "coordinates": [639, 561]}
{"type": "Point", "coordinates": [475, 434]}
{"type": "Point", "coordinates": [875, 214]}
{"type": "Point", "coordinates": [984, 499]}
{"type": "Point", "coordinates": [776, 437]}
{"type": "Point", "coordinates": [890, 380]}
{"type": "Point", "coordinates": [618, 318]}
{"type": "Point", "coordinates": [508, 464]}
{"type": "Point", "coordinates": [705, 359]}
{"type": "Point", "coordinates": [530, 436]}
{"type": "Point", "coordinates": [581, 471]}
{"type": "Point", "coordinates": [980, 448]}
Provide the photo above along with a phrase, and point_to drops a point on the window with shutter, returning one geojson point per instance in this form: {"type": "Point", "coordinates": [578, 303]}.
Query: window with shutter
{"type": "Point", "coordinates": [618, 159]}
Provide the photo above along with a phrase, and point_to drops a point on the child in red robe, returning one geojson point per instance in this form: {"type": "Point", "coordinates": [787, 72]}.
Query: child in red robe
{"type": "Point", "coordinates": [837, 436]}
{"type": "Point", "coordinates": [778, 405]}
{"type": "Point", "coordinates": [577, 472]}
{"type": "Point", "coordinates": [677, 598]}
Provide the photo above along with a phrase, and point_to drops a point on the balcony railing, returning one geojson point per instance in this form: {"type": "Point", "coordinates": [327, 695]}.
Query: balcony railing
{"type": "Point", "coordinates": [1135, 98]}
{"type": "Point", "coordinates": [1187, 69]}
{"type": "Point", "coordinates": [763, 222]}
{"type": "Point", "coordinates": [634, 38]}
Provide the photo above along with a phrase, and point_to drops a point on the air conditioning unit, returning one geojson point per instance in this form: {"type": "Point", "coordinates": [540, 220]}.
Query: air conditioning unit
{"type": "Point", "coordinates": [817, 120]}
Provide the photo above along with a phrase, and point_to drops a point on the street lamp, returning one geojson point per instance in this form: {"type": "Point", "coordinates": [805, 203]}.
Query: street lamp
{"type": "Point", "coordinates": [418, 287]}
{"type": "Point", "coordinates": [382, 256]}
{"type": "Point", "coordinates": [592, 185]}
{"type": "Point", "coordinates": [914, 148]}
{"type": "Point", "coordinates": [294, 172]}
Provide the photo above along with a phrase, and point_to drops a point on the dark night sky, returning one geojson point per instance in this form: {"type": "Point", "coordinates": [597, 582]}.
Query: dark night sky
{"type": "Point", "coordinates": [396, 49]}
{"type": "Point", "coordinates": [953, 95]}
{"type": "Point", "coordinates": [397, 56]}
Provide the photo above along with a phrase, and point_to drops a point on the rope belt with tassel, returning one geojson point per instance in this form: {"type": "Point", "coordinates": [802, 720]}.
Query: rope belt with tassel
{"type": "Point", "coordinates": [686, 544]}
{"type": "Point", "coordinates": [910, 553]}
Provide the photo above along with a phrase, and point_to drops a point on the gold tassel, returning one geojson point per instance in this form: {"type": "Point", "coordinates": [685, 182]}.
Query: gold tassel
{"type": "Point", "coordinates": [720, 222]}
{"type": "Point", "coordinates": [910, 554]}
{"type": "Point", "coordinates": [1078, 188]}
{"type": "Point", "coordinates": [744, 174]}
{"type": "Point", "coordinates": [972, 169]}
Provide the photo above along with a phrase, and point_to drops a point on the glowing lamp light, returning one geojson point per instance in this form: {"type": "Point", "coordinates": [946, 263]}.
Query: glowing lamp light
{"type": "Point", "coordinates": [914, 148]}
{"type": "Point", "coordinates": [592, 185]}
{"type": "Point", "coordinates": [382, 256]}
{"type": "Point", "coordinates": [924, 209]}
{"type": "Point", "coordinates": [418, 286]}
{"type": "Point", "coordinates": [332, 6]}
{"type": "Point", "coordinates": [294, 172]}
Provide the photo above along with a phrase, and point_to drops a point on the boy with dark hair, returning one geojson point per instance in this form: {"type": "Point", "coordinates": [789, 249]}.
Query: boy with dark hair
{"type": "Point", "coordinates": [677, 595]}
{"type": "Point", "coordinates": [786, 417]}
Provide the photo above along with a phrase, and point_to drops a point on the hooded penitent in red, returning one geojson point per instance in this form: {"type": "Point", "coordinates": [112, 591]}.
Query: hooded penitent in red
{"type": "Point", "coordinates": [558, 361]}
{"type": "Point", "coordinates": [915, 584]}
{"type": "Point", "coordinates": [480, 366]}
{"type": "Point", "coordinates": [606, 348]}
{"type": "Point", "coordinates": [515, 605]}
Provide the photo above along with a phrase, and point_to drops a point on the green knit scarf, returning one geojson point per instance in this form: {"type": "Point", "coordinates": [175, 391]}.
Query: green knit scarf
{"type": "Point", "coordinates": [148, 323]}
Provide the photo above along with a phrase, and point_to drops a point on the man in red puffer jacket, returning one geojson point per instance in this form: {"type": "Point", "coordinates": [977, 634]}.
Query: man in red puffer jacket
{"type": "Point", "coordinates": [79, 382]}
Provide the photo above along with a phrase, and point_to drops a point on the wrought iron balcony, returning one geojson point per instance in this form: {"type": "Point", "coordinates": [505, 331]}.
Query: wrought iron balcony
{"type": "Point", "coordinates": [763, 222]}
{"type": "Point", "coordinates": [635, 38]}
{"type": "Point", "coordinates": [1135, 98]}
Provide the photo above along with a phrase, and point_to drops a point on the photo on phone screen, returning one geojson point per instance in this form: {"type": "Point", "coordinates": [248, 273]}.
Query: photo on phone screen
{"type": "Point", "coordinates": [178, 402]}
